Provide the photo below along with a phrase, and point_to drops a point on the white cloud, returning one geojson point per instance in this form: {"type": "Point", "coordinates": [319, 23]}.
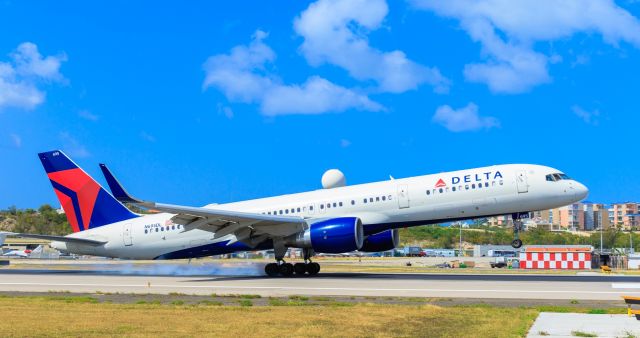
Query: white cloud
{"type": "Point", "coordinates": [20, 77]}
{"type": "Point", "coordinates": [17, 140]}
{"type": "Point", "coordinates": [242, 76]}
{"type": "Point", "coordinates": [226, 111]}
{"type": "Point", "coordinates": [87, 115]}
{"type": "Point", "coordinates": [508, 30]}
{"type": "Point", "coordinates": [72, 146]}
{"type": "Point", "coordinates": [463, 119]}
{"type": "Point", "coordinates": [147, 137]}
{"type": "Point", "coordinates": [334, 32]}
{"type": "Point", "coordinates": [316, 96]}
{"type": "Point", "coordinates": [589, 117]}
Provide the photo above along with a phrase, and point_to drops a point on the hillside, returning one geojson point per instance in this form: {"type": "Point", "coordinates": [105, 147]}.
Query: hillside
{"type": "Point", "coordinates": [445, 237]}
{"type": "Point", "coordinates": [45, 220]}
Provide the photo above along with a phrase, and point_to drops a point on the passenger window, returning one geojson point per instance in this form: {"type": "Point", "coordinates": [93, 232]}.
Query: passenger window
{"type": "Point", "coordinates": [428, 192]}
{"type": "Point", "coordinates": [146, 231]}
{"type": "Point", "coordinates": [298, 209]}
{"type": "Point", "coordinates": [156, 229]}
{"type": "Point", "coordinates": [353, 202]}
{"type": "Point", "coordinates": [371, 199]}
{"type": "Point", "coordinates": [473, 186]}
{"type": "Point", "coordinates": [486, 184]}
{"type": "Point", "coordinates": [440, 190]}
{"type": "Point", "coordinates": [173, 227]}
{"type": "Point", "coordinates": [321, 206]}
{"type": "Point", "coordinates": [390, 197]}
{"type": "Point", "coordinates": [377, 199]}
{"type": "Point", "coordinates": [334, 204]}
{"type": "Point", "coordinates": [280, 212]}
{"type": "Point", "coordinates": [340, 204]}
{"type": "Point", "coordinates": [162, 229]}
{"type": "Point", "coordinates": [311, 208]}
{"type": "Point", "coordinates": [178, 226]}
{"type": "Point", "coordinates": [384, 198]}
{"type": "Point", "coordinates": [466, 187]}
{"type": "Point", "coordinates": [453, 188]}
{"type": "Point", "coordinates": [286, 211]}
{"type": "Point", "coordinates": [501, 182]}
{"type": "Point", "coordinates": [364, 200]}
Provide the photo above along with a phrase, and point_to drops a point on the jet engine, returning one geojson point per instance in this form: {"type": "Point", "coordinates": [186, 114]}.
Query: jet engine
{"type": "Point", "coordinates": [335, 235]}
{"type": "Point", "coordinates": [381, 241]}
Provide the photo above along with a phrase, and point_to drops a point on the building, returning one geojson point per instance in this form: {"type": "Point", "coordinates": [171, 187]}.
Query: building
{"type": "Point", "coordinates": [622, 214]}
{"type": "Point", "coordinates": [585, 216]}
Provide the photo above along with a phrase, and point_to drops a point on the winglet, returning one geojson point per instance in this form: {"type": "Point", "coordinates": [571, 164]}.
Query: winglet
{"type": "Point", "coordinates": [118, 190]}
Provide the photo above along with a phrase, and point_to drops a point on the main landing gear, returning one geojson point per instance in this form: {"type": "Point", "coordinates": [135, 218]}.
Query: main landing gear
{"type": "Point", "coordinates": [281, 268]}
{"type": "Point", "coordinates": [517, 227]}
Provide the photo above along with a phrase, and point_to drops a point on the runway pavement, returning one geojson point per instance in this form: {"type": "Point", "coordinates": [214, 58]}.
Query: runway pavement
{"type": "Point", "coordinates": [516, 286]}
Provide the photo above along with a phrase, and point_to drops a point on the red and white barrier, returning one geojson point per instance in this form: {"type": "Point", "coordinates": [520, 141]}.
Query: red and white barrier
{"type": "Point", "coordinates": [560, 259]}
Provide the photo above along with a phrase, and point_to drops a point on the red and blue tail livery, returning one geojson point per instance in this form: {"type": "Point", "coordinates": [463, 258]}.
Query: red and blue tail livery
{"type": "Point", "coordinates": [86, 204]}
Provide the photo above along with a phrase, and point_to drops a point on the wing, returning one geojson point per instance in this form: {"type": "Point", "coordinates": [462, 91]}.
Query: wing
{"type": "Point", "coordinates": [251, 228]}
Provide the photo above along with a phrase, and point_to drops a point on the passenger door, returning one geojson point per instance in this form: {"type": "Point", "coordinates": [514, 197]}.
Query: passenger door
{"type": "Point", "coordinates": [521, 182]}
{"type": "Point", "coordinates": [403, 196]}
{"type": "Point", "coordinates": [127, 237]}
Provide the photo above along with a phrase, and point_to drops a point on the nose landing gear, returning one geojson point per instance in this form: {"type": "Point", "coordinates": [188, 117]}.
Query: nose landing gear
{"type": "Point", "coordinates": [517, 227]}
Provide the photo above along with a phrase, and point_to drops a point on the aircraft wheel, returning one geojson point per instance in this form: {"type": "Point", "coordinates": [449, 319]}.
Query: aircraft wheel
{"type": "Point", "coordinates": [300, 268]}
{"type": "Point", "coordinates": [517, 243]}
{"type": "Point", "coordinates": [286, 269]}
{"type": "Point", "coordinates": [313, 268]}
{"type": "Point", "coordinates": [272, 269]}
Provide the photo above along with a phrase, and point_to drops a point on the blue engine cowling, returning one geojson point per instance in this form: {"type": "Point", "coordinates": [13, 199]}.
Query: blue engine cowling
{"type": "Point", "coordinates": [336, 235]}
{"type": "Point", "coordinates": [382, 241]}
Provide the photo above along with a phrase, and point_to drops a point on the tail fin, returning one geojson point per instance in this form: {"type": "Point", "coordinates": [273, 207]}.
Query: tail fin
{"type": "Point", "coordinates": [86, 204]}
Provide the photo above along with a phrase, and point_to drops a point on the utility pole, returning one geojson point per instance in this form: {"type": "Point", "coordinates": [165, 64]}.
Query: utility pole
{"type": "Point", "coordinates": [460, 252]}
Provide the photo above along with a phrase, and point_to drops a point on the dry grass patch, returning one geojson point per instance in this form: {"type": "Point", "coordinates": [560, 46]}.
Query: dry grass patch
{"type": "Point", "coordinates": [42, 317]}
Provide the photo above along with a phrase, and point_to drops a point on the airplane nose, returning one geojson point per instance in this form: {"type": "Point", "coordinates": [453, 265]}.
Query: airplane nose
{"type": "Point", "coordinates": [581, 191]}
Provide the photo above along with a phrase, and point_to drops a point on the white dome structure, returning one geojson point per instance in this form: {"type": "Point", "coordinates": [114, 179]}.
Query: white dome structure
{"type": "Point", "coordinates": [333, 178]}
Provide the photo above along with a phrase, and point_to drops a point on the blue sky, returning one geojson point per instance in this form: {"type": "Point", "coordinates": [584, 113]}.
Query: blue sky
{"type": "Point", "coordinates": [222, 101]}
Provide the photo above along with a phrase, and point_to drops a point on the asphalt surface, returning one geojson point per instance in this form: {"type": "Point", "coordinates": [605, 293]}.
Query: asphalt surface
{"type": "Point", "coordinates": [477, 286]}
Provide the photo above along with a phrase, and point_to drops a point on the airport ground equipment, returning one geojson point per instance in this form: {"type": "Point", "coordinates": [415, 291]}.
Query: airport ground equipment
{"type": "Point", "coordinates": [605, 269]}
{"type": "Point", "coordinates": [629, 300]}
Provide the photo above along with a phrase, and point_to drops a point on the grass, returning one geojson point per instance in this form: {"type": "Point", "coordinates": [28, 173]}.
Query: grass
{"type": "Point", "coordinates": [44, 316]}
{"type": "Point", "coordinates": [583, 334]}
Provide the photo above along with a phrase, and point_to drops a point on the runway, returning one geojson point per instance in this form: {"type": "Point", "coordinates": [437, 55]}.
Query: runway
{"type": "Point", "coordinates": [516, 286]}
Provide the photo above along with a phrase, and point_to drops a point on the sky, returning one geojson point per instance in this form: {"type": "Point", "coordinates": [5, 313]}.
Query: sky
{"type": "Point", "coordinates": [212, 102]}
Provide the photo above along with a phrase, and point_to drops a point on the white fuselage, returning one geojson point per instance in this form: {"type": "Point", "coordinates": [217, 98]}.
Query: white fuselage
{"type": "Point", "coordinates": [465, 194]}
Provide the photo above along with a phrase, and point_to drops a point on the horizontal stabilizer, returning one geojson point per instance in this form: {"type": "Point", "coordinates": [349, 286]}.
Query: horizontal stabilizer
{"type": "Point", "coordinates": [55, 238]}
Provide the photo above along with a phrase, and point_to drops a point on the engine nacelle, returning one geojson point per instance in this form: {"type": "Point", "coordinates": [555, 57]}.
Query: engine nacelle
{"type": "Point", "coordinates": [382, 241]}
{"type": "Point", "coordinates": [336, 235]}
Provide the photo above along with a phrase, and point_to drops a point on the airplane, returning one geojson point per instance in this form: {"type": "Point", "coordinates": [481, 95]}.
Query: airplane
{"type": "Point", "coordinates": [23, 253]}
{"type": "Point", "coordinates": [334, 220]}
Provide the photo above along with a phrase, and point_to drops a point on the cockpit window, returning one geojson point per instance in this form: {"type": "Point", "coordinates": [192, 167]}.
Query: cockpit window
{"type": "Point", "coordinates": [557, 177]}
